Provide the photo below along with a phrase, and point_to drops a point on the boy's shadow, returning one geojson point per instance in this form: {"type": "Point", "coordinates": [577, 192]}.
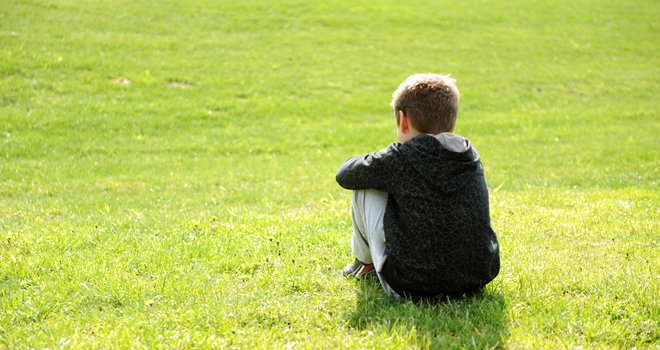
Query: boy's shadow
{"type": "Point", "coordinates": [472, 321]}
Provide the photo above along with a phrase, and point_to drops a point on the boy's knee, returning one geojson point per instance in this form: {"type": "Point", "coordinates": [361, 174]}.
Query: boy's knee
{"type": "Point", "coordinates": [369, 195]}
{"type": "Point", "coordinates": [369, 205]}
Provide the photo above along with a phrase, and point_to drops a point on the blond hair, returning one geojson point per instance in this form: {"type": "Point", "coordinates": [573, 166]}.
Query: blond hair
{"type": "Point", "coordinates": [430, 101]}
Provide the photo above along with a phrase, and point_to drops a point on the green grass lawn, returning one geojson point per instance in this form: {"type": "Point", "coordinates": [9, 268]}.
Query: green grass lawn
{"type": "Point", "coordinates": [167, 170]}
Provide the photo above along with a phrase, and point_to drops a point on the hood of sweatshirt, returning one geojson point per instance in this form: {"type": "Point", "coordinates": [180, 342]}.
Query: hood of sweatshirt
{"type": "Point", "coordinates": [446, 161]}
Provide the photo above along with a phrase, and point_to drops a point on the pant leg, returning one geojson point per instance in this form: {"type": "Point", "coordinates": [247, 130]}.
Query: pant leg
{"type": "Point", "coordinates": [368, 242]}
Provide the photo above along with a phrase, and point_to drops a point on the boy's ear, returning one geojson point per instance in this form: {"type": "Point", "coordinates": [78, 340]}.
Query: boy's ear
{"type": "Point", "coordinates": [403, 122]}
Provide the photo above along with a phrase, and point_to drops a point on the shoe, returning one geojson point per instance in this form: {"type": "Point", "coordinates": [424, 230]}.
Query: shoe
{"type": "Point", "coordinates": [359, 270]}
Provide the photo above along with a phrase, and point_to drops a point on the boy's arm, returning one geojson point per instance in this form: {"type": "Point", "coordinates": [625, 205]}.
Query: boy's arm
{"type": "Point", "coordinates": [373, 170]}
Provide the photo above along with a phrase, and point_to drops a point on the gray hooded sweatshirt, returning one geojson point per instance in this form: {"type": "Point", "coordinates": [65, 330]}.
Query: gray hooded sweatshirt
{"type": "Point", "coordinates": [439, 240]}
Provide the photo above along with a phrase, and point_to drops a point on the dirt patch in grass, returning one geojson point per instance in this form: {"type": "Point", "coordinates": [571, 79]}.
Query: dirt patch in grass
{"type": "Point", "coordinates": [122, 81]}
{"type": "Point", "coordinates": [179, 84]}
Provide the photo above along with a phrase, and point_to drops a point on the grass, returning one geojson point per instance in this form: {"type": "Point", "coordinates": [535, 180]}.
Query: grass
{"type": "Point", "coordinates": [167, 171]}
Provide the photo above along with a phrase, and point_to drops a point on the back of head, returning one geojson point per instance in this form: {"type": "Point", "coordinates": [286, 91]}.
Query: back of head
{"type": "Point", "coordinates": [430, 101]}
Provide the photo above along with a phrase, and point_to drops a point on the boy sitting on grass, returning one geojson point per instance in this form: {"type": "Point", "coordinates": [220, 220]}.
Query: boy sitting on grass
{"type": "Point", "coordinates": [420, 212]}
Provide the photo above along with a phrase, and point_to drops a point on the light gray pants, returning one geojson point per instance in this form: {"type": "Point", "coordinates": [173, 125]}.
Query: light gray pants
{"type": "Point", "coordinates": [368, 243]}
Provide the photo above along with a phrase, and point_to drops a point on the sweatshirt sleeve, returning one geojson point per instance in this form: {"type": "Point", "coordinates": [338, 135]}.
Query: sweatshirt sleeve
{"type": "Point", "coordinates": [372, 170]}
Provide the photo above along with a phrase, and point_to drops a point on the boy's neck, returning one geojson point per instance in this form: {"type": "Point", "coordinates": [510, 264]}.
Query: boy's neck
{"type": "Point", "coordinates": [405, 130]}
{"type": "Point", "coordinates": [410, 135]}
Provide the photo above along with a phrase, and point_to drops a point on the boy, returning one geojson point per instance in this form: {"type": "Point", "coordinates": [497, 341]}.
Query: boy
{"type": "Point", "coordinates": [421, 220]}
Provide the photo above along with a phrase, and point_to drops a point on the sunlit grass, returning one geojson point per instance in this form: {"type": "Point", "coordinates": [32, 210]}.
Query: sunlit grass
{"type": "Point", "coordinates": [167, 171]}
